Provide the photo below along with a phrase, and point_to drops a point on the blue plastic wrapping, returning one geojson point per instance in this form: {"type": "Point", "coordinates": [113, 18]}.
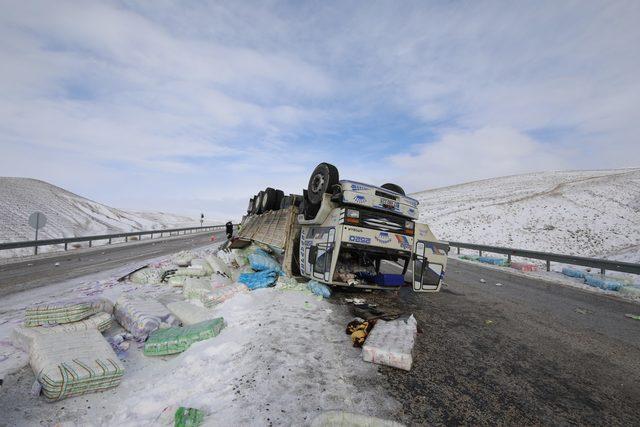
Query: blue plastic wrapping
{"type": "Point", "coordinates": [261, 279]}
{"type": "Point", "coordinates": [319, 289]}
{"type": "Point", "coordinates": [597, 282]}
{"type": "Point", "coordinates": [260, 261]}
{"type": "Point", "coordinates": [491, 260]}
{"type": "Point", "coordinates": [572, 272]}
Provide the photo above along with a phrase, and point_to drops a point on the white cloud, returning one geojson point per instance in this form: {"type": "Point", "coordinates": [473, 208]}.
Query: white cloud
{"type": "Point", "coordinates": [470, 156]}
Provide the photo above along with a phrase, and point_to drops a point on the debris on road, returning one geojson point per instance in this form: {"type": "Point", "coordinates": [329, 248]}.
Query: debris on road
{"type": "Point", "coordinates": [141, 316]}
{"type": "Point", "coordinates": [523, 266]}
{"type": "Point", "coordinates": [259, 279]}
{"type": "Point", "coordinates": [188, 417]}
{"type": "Point", "coordinates": [188, 313]}
{"type": "Point", "coordinates": [581, 311]}
{"type": "Point", "coordinates": [358, 329]}
{"type": "Point", "coordinates": [319, 289]}
{"type": "Point", "coordinates": [498, 284]}
{"type": "Point", "coordinates": [65, 311]}
{"type": "Point", "coordinates": [391, 342]}
{"type": "Point", "coordinates": [489, 322]}
{"type": "Point", "coordinates": [633, 316]}
{"type": "Point", "coordinates": [483, 281]}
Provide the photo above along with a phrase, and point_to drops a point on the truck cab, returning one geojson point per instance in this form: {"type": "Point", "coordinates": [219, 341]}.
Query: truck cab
{"type": "Point", "coordinates": [359, 231]}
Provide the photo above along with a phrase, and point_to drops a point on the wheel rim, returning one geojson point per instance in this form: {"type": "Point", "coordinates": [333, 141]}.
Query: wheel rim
{"type": "Point", "coordinates": [317, 183]}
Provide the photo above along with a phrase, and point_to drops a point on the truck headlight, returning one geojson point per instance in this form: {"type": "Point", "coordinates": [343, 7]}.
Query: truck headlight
{"type": "Point", "coordinates": [352, 213]}
{"type": "Point", "coordinates": [408, 225]}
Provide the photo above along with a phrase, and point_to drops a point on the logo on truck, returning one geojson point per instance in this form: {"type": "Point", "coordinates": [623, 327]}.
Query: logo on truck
{"type": "Point", "coordinates": [403, 242]}
{"type": "Point", "coordinates": [360, 199]}
{"type": "Point", "coordinates": [358, 187]}
{"type": "Point", "coordinates": [360, 239]}
{"type": "Point", "coordinates": [383, 237]}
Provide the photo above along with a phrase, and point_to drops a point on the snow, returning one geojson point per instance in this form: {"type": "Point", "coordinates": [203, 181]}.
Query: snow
{"type": "Point", "coordinates": [68, 215]}
{"type": "Point", "coordinates": [588, 213]}
{"type": "Point", "coordinates": [283, 358]}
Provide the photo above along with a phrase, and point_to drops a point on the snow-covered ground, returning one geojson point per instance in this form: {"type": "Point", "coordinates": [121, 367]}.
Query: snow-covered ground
{"type": "Point", "coordinates": [588, 213]}
{"type": "Point", "coordinates": [282, 359]}
{"type": "Point", "coordinates": [68, 215]}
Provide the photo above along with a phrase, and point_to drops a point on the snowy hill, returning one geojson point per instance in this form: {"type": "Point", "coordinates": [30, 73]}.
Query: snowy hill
{"type": "Point", "coordinates": [68, 214]}
{"type": "Point", "coordinates": [589, 213]}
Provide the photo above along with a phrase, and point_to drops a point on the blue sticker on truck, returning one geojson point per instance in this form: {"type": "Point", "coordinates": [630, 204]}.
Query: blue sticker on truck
{"type": "Point", "coordinates": [383, 237]}
{"type": "Point", "coordinates": [360, 239]}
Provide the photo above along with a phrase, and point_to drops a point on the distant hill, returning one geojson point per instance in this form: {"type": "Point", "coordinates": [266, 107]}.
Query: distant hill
{"type": "Point", "coordinates": [589, 213]}
{"type": "Point", "coordinates": [68, 214]}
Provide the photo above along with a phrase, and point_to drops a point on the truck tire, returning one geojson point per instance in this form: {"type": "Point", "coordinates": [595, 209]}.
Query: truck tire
{"type": "Point", "coordinates": [250, 207]}
{"type": "Point", "coordinates": [393, 187]}
{"type": "Point", "coordinates": [279, 198]}
{"type": "Point", "coordinates": [258, 202]}
{"type": "Point", "coordinates": [322, 180]}
{"type": "Point", "coordinates": [309, 210]}
{"type": "Point", "coordinates": [269, 197]}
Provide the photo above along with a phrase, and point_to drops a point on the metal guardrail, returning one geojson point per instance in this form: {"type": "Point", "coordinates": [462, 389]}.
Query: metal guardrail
{"type": "Point", "coordinates": [66, 240]}
{"type": "Point", "coordinates": [602, 264]}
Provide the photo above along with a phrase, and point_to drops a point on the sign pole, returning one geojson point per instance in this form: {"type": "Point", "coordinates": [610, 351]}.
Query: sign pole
{"type": "Point", "coordinates": [37, 226]}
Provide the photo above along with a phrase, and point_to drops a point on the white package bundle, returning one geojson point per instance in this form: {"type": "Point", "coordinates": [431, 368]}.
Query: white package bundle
{"type": "Point", "coordinates": [390, 343]}
{"type": "Point", "coordinates": [194, 287]}
{"type": "Point", "coordinates": [142, 315]}
{"type": "Point", "coordinates": [74, 363]}
{"type": "Point", "coordinates": [22, 336]}
{"type": "Point", "coordinates": [218, 265]}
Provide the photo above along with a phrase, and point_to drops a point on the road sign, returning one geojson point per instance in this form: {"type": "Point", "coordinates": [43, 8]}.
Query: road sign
{"type": "Point", "coordinates": [37, 220]}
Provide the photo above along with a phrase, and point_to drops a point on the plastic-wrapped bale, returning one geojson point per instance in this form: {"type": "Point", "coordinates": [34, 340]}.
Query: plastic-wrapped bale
{"type": "Point", "coordinates": [630, 290]}
{"type": "Point", "coordinates": [348, 419]}
{"type": "Point", "coordinates": [523, 266]}
{"type": "Point", "coordinates": [65, 311]}
{"type": "Point", "coordinates": [597, 282]}
{"type": "Point", "coordinates": [285, 283]}
{"type": "Point", "coordinates": [74, 363]}
{"type": "Point", "coordinates": [492, 260]}
{"type": "Point", "coordinates": [22, 336]}
{"type": "Point", "coordinates": [188, 417]}
{"type": "Point", "coordinates": [390, 343]}
{"type": "Point", "coordinates": [177, 281]}
{"type": "Point", "coordinates": [572, 272]}
{"type": "Point", "coordinates": [188, 313]}
{"type": "Point", "coordinates": [142, 315]}
{"type": "Point", "coordinates": [182, 259]}
{"type": "Point", "coordinates": [261, 279]}
{"type": "Point", "coordinates": [147, 276]}
{"type": "Point", "coordinates": [227, 257]}
{"type": "Point", "coordinates": [240, 257]}
{"type": "Point", "coordinates": [177, 340]}
{"type": "Point", "coordinates": [218, 265]}
{"type": "Point", "coordinates": [202, 263]}
{"type": "Point", "coordinates": [319, 289]}
{"type": "Point", "coordinates": [196, 271]}
{"type": "Point", "coordinates": [194, 287]}
{"type": "Point", "coordinates": [219, 295]}
{"type": "Point", "coordinates": [260, 261]}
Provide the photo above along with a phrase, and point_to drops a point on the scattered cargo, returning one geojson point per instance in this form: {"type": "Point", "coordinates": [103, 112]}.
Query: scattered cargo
{"type": "Point", "coordinates": [391, 343]}
{"type": "Point", "coordinates": [178, 339]}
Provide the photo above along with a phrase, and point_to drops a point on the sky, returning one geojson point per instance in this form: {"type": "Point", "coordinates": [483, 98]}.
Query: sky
{"type": "Point", "coordinates": [195, 106]}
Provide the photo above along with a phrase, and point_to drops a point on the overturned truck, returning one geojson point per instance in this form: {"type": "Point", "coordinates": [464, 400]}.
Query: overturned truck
{"type": "Point", "coordinates": [345, 233]}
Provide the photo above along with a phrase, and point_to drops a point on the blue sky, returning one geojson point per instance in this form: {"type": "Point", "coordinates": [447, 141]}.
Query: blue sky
{"type": "Point", "coordinates": [196, 106]}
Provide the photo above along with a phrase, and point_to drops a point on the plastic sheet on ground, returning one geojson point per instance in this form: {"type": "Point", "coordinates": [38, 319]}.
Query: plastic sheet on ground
{"type": "Point", "coordinates": [74, 363]}
{"type": "Point", "coordinates": [390, 343]}
{"type": "Point", "coordinates": [22, 336]}
{"type": "Point", "coordinates": [259, 280]}
{"type": "Point", "coordinates": [219, 295]}
{"type": "Point", "coordinates": [142, 315]}
{"type": "Point", "coordinates": [177, 340]}
{"type": "Point", "coordinates": [260, 261]}
{"type": "Point", "coordinates": [492, 260]}
{"type": "Point", "coordinates": [572, 272]}
{"type": "Point", "coordinates": [348, 419]}
{"type": "Point", "coordinates": [597, 282]}
{"type": "Point", "coordinates": [188, 417]}
{"type": "Point", "coordinates": [319, 289]}
{"type": "Point", "coordinates": [188, 313]}
{"type": "Point", "coordinates": [65, 311]}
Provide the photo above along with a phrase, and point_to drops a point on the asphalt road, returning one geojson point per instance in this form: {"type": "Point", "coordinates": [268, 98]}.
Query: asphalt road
{"type": "Point", "coordinates": [33, 272]}
{"type": "Point", "coordinates": [525, 353]}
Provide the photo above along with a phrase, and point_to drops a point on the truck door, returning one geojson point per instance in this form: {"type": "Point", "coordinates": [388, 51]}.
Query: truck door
{"type": "Point", "coordinates": [429, 263]}
{"type": "Point", "coordinates": [323, 255]}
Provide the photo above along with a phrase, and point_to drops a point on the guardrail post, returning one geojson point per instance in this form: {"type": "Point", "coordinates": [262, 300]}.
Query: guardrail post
{"type": "Point", "coordinates": [126, 238]}
{"type": "Point", "coordinates": [480, 252]}
{"type": "Point", "coordinates": [65, 246]}
{"type": "Point", "coordinates": [140, 237]}
{"type": "Point", "coordinates": [458, 250]}
{"type": "Point", "coordinates": [109, 240]}
{"type": "Point", "coordinates": [602, 271]}
{"type": "Point", "coordinates": [509, 258]}
{"type": "Point", "coordinates": [548, 265]}
{"type": "Point", "coordinates": [89, 243]}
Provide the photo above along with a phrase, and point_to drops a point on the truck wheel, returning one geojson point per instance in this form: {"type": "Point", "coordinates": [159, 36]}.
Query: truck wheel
{"type": "Point", "coordinates": [322, 180]}
{"type": "Point", "coordinates": [258, 202]}
{"type": "Point", "coordinates": [279, 198]}
{"type": "Point", "coordinates": [250, 207]}
{"type": "Point", "coordinates": [393, 187]}
{"type": "Point", "coordinates": [268, 199]}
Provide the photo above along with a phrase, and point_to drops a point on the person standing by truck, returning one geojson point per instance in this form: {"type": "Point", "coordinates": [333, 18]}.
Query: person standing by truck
{"type": "Point", "coordinates": [229, 226]}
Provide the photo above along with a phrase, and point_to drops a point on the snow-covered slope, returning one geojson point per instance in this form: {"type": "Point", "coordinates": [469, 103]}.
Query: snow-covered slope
{"type": "Point", "coordinates": [68, 214]}
{"type": "Point", "coordinates": [589, 213]}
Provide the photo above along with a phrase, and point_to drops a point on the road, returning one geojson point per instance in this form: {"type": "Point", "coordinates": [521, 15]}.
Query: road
{"type": "Point", "coordinates": [527, 352]}
{"type": "Point", "coordinates": [42, 270]}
